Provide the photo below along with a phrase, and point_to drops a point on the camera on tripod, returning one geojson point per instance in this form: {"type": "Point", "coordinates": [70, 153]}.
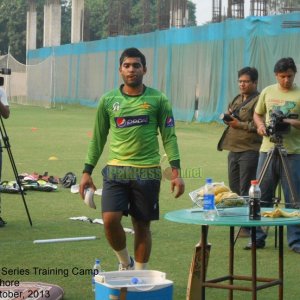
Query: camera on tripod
{"type": "Point", "coordinates": [5, 71]}
{"type": "Point", "coordinates": [276, 125]}
{"type": "Point", "coordinates": [228, 117]}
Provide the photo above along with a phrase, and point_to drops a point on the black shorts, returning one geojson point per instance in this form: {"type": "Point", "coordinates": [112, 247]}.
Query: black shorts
{"type": "Point", "coordinates": [134, 191]}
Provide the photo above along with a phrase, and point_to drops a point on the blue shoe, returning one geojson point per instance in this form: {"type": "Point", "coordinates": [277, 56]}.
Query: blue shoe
{"type": "Point", "coordinates": [129, 267]}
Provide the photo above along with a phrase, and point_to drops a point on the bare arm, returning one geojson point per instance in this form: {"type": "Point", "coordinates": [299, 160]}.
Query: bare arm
{"type": "Point", "coordinates": [177, 183]}
{"type": "Point", "coordinates": [259, 121]}
{"type": "Point", "coordinates": [295, 123]}
{"type": "Point", "coordinates": [4, 110]}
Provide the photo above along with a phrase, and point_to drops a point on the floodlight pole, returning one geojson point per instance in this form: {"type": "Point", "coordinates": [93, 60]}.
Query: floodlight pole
{"type": "Point", "coordinates": [7, 146]}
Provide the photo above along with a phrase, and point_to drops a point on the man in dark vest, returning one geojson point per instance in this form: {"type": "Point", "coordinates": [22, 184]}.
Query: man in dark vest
{"type": "Point", "coordinates": [240, 138]}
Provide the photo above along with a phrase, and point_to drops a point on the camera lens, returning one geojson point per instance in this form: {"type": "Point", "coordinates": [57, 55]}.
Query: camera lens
{"type": "Point", "coordinates": [225, 117]}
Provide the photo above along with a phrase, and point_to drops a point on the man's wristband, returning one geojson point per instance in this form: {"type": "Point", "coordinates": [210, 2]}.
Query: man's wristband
{"type": "Point", "coordinates": [175, 164]}
{"type": "Point", "coordinates": [88, 169]}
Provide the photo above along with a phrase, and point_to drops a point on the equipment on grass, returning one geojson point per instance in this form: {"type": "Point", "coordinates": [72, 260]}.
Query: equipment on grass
{"type": "Point", "coordinates": [12, 162]}
{"type": "Point", "coordinates": [193, 286]}
{"type": "Point", "coordinates": [74, 239]}
{"type": "Point", "coordinates": [68, 180]}
{"type": "Point", "coordinates": [89, 198]}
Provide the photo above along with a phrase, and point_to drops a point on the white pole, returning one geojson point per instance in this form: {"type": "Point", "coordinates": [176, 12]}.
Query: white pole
{"type": "Point", "coordinates": [7, 86]}
{"type": "Point", "coordinates": [52, 104]}
{"type": "Point", "coordinates": [84, 238]}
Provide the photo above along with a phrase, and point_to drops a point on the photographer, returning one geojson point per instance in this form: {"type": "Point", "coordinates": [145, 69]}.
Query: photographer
{"type": "Point", "coordinates": [4, 112]}
{"type": "Point", "coordinates": [284, 97]}
{"type": "Point", "coordinates": [240, 137]}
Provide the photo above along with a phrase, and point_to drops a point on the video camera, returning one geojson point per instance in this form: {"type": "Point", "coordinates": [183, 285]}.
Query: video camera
{"type": "Point", "coordinates": [228, 117]}
{"type": "Point", "coordinates": [276, 125]}
{"type": "Point", "coordinates": [5, 71]}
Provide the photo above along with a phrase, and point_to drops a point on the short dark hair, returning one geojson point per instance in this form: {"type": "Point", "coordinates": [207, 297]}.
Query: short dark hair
{"type": "Point", "coordinates": [251, 72]}
{"type": "Point", "coordinates": [284, 64]}
{"type": "Point", "coordinates": [133, 52]}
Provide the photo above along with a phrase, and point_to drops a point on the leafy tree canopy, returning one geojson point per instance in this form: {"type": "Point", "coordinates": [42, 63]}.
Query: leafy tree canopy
{"type": "Point", "coordinates": [98, 13]}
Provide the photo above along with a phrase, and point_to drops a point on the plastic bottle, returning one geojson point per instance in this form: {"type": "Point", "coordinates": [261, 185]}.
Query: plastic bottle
{"type": "Point", "coordinates": [254, 201]}
{"type": "Point", "coordinates": [136, 280]}
{"type": "Point", "coordinates": [96, 270]}
{"type": "Point", "coordinates": [209, 201]}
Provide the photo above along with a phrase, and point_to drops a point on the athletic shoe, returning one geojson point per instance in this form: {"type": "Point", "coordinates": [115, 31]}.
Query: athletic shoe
{"type": "Point", "coordinates": [260, 244]}
{"type": "Point", "coordinates": [2, 222]}
{"type": "Point", "coordinates": [9, 187]}
{"type": "Point", "coordinates": [296, 249]}
{"type": "Point", "coordinates": [129, 267]}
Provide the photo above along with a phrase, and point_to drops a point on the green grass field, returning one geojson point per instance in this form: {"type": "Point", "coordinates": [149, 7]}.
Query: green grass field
{"type": "Point", "coordinates": [37, 134]}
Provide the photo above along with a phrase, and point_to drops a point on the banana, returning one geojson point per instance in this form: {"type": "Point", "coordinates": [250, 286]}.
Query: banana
{"type": "Point", "coordinates": [225, 195]}
{"type": "Point", "coordinates": [221, 189]}
{"type": "Point", "coordinates": [277, 213]}
{"type": "Point", "coordinates": [218, 188]}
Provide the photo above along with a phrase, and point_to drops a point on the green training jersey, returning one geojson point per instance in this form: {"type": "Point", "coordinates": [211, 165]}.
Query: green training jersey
{"type": "Point", "coordinates": [134, 123]}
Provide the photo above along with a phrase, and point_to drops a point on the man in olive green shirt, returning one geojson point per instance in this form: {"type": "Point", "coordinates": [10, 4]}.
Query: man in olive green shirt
{"type": "Point", "coordinates": [284, 97]}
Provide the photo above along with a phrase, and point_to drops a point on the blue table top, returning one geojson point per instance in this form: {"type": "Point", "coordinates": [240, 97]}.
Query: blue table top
{"type": "Point", "coordinates": [237, 216]}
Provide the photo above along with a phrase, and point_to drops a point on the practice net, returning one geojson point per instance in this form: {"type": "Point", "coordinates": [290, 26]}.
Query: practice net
{"type": "Point", "coordinates": [16, 85]}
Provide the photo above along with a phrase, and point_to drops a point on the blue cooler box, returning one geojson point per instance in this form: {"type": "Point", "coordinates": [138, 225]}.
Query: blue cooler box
{"type": "Point", "coordinates": [133, 285]}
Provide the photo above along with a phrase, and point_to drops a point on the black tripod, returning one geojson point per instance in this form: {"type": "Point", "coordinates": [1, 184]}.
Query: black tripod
{"type": "Point", "coordinates": [280, 152]}
{"type": "Point", "coordinates": [7, 146]}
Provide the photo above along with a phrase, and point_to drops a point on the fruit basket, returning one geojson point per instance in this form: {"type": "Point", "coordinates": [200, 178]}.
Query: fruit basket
{"type": "Point", "coordinates": [197, 195]}
{"type": "Point", "coordinates": [196, 198]}
{"type": "Point", "coordinates": [223, 196]}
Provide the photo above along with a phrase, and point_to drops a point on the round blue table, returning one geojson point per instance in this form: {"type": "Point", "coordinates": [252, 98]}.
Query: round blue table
{"type": "Point", "coordinates": [232, 217]}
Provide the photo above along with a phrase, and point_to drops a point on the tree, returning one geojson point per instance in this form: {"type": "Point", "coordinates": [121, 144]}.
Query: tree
{"type": "Point", "coordinates": [97, 19]}
{"type": "Point", "coordinates": [13, 28]}
{"type": "Point", "coordinates": [101, 13]}
{"type": "Point", "coordinates": [280, 6]}
{"type": "Point", "coordinates": [66, 15]}
{"type": "Point", "coordinates": [191, 7]}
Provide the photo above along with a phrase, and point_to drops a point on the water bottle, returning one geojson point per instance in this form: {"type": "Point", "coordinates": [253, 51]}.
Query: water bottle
{"type": "Point", "coordinates": [254, 201]}
{"type": "Point", "coordinates": [209, 201]}
{"type": "Point", "coordinates": [96, 270]}
{"type": "Point", "coordinates": [136, 280]}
